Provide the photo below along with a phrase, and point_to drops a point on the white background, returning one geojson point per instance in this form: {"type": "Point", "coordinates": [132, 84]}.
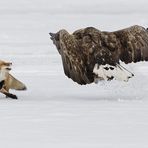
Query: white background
{"type": "Point", "coordinates": [55, 112]}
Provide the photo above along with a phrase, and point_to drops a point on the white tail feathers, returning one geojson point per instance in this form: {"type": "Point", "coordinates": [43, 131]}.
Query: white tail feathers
{"type": "Point", "coordinates": [109, 72]}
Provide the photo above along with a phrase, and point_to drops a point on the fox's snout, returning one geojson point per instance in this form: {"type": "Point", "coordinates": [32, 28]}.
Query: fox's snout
{"type": "Point", "coordinates": [8, 68]}
{"type": "Point", "coordinates": [8, 64]}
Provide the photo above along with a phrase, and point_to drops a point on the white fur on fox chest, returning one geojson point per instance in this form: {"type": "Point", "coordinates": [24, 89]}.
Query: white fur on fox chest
{"type": "Point", "coordinates": [2, 75]}
{"type": "Point", "coordinates": [109, 72]}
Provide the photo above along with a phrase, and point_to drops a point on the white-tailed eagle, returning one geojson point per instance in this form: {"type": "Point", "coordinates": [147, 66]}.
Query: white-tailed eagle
{"type": "Point", "coordinates": [89, 55]}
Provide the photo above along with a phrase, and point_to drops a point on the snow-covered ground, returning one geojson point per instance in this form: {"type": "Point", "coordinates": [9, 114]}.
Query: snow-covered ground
{"type": "Point", "coordinates": [55, 112]}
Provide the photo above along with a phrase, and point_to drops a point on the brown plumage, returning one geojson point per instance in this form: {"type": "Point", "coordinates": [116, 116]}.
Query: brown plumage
{"type": "Point", "coordinates": [85, 48]}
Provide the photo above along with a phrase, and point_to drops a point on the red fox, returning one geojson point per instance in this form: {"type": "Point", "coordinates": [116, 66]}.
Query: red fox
{"type": "Point", "coordinates": [7, 81]}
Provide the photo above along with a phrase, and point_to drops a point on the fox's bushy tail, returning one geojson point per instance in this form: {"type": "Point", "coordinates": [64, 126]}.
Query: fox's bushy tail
{"type": "Point", "coordinates": [16, 84]}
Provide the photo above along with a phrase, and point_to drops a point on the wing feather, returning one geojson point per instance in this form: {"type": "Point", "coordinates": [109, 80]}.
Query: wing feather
{"type": "Point", "coordinates": [128, 45]}
{"type": "Point", "coordinates": [133, 44]}
{"type": "Point", "coordinates": [73, 60]}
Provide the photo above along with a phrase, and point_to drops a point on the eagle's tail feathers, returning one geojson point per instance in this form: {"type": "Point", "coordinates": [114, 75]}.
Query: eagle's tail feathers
{"type": "Point", "coordinates": [109, 72]}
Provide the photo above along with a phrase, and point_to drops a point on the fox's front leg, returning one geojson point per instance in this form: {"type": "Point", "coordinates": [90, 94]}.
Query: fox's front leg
{"type": "Point", "coordinates": [8, 94]}
{"type": "Point", "coordinates": [7, 89]}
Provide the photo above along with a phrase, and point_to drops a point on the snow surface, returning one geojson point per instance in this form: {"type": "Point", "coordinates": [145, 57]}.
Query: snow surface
{"type": "Point", "coordinates": [55, 112]}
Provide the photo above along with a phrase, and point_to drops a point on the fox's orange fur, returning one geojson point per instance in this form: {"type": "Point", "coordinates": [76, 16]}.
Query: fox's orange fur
{"type": "Point", "coordinates": [7, 81]}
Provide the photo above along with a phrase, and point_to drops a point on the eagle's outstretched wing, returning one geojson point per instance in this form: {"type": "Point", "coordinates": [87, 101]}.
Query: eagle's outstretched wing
{"type": "Point", "coordinates": [128, 45]}
{"type": "Point", "coordinates": [133, 44]}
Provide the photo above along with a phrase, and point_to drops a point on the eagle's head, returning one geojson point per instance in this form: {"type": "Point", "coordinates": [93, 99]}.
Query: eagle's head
{"type": "Point", "coordinates": [56, 39]}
